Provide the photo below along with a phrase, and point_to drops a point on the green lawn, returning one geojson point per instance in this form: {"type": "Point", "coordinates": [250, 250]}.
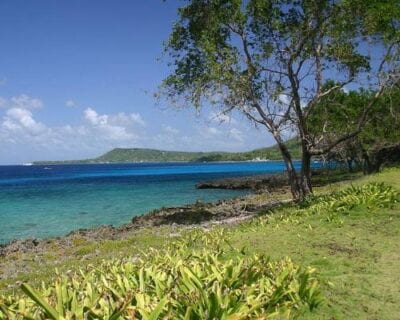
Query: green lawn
{"type": "Point", "coordinates": [357, 261]}
{"type": "Point", "coordinates": [356, 256]}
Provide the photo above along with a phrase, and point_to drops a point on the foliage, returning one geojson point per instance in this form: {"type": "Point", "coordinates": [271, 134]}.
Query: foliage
{"type": "Point", "coordinates": [270, 60]}
{"type": "Point", "coordinates": [194, 277]}
{"type": "Point", "coordinates": [333, 207]}
{"type": "Point", "coordinates": [120, 155]}
{"type": "Point", "coordinates": [373, 196]}
{"type": "Point", "coordinates": [356, 260]}
{"type": "Point", "coordinates": [177, 282]}
{"type": "Point", "coordinates": [339, 112]}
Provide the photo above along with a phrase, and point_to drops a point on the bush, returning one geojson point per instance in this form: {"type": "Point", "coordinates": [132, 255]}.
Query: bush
{"type": "Point", "coordinates": [181, 281]}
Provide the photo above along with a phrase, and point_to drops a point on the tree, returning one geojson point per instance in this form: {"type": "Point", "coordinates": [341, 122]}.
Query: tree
{"type": "Point", "coordinates": [379, 141]}
{"type": "Point", "coordinates": [337, 113]}
{"type": "Point", "coordinates": [271, 60]}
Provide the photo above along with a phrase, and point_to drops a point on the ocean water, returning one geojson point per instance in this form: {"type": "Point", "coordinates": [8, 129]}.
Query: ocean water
{"type": "Point", "coordinates": [45, 201]}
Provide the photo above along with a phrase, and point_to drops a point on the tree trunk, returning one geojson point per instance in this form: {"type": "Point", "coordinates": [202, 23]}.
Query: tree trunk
{"type": "Point", "coordinates": [294, 181]}
{"type": "Point", "coordinates": [305, 178]}
{"type": "Point", "coordinates": [376, 158]}
{"type": "Point", "coordinates": [367, 165]}
{"type": "Point", "coordinates": [291, 171]}
{"type": "Point", "coordinates": [350, 164]}
{"type": "Point", "coordinates": [299, 182]}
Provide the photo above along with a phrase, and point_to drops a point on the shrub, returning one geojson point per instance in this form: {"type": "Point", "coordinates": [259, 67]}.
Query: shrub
{"type": "Point", "coordinates": [332, 207]}
{"type": "Point", "coordinates": [180, 281]}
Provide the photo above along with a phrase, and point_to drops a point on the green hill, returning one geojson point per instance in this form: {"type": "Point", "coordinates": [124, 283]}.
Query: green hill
{"type": "Point", "coordinates": [119, 155]}
{"type": "Point", "coordinates": [151, 155]}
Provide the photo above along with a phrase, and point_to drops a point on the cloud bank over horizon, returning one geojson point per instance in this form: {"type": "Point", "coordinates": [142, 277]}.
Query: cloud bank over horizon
{"type": "Point", "coordinates": [77, 79]}
{"type": "Point", "coordinates": [25, 138]}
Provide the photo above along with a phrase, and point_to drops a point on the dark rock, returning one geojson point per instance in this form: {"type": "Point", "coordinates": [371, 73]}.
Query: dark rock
{"type": "Point", "coordinates": [95, 232]}
{"type": "Point", "coordinates": [268, 182]}
{"type": "Point", "coordinates": [198, 213]}
{"type": "Point", "coordinates": [191, 214]}
{"type": "Point", "coordinates": [22, 245]}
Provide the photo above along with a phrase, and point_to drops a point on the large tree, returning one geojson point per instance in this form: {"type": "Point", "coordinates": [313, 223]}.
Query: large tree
{"type": "Point", "coordinates": [271, 60]}
{"type": "Point", "coordinates": [379, 141]}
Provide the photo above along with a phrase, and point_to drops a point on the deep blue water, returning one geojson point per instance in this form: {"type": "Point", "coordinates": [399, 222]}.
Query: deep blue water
{"type": "Point", "coordinates": [45, 201]}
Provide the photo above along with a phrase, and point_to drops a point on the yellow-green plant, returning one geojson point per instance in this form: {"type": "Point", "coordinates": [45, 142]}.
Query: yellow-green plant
{"type": "Point", "coordinates": [180, 281]}
{"type": "Point", "coordinates": [372, 196]}
{"type": "Point", "coordinates": [333, 207]}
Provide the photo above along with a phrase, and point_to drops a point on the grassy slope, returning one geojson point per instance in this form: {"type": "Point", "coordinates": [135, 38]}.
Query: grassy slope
{"type": "Point", "coordinates": [357, 261]}
{"type": "Point", "coordinates": [151, 155]}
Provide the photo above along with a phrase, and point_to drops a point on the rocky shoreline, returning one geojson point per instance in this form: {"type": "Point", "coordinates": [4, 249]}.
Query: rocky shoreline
{"type": "Point", "coordinates": [224, 211]}
{"type": "Point", "coordinates": [200, 214]}
{"type": "Point", "coordinates": [259, 183]}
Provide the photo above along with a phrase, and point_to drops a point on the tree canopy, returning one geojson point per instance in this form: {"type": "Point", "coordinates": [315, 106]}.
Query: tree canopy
{"type": "Point", "coordinates": [272, 60]}
{"type": "Point", "coordinates": [381, 131]}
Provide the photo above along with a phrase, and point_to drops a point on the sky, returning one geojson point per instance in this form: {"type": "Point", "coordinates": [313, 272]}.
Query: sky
{"type": "Point", "coordinates": [77, 78]}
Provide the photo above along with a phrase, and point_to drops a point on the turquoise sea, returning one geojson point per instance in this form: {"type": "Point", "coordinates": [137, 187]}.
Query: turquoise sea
{"type": "Point", "coordinates": [45, 201]}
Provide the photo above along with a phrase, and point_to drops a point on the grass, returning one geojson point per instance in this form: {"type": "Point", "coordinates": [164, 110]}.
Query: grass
{"type": "Point", "coordinates": [356, 256]}
{"type": "Point", "coordinates": [357, 260]}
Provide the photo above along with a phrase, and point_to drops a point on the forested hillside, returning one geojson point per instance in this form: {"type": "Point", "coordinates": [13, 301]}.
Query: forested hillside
{"type": "Point", "coordinates": [119, 155]}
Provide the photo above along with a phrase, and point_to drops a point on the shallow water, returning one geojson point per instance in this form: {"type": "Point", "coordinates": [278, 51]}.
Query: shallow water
{"type": "Point", "coordinates": [44, 201]}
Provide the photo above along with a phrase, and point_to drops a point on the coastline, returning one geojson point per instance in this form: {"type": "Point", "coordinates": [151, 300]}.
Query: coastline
{"type": "Point", "coordinates": [62, 163]}
{"type": "Point", "coordinates": [20, 256]}
{"type": "Point", "coordinates": [267, 191]}
{"type": "Point", "coordinates": [361, 245]}
{"type": "Point", "coordinates": [198, 214]}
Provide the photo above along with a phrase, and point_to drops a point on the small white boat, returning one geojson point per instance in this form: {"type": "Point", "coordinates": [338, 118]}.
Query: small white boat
{"type": "Point", "coordinates": [27, 164]}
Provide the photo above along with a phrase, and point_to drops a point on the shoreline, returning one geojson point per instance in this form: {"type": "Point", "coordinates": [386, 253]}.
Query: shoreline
{"type": "Point", "coordinates": [21, 259]}
{"type": "Point", "coordinates": [38, 163]}
{"type": "Point", "coordinates": [194, 214]}
{"type": "Point", "coordinates": [198, 214]}
{"type": "Point", "coordinates": [359, 245]}
{"type": "Point", "coordinates": [271, 186]}
{"type": "Point", "coordinates": [266, 192]}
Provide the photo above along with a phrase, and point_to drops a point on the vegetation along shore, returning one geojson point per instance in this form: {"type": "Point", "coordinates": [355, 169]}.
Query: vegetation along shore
{"type": "Point", "coordinates": [341, 244]}
{"type": "Point", "coordinates": [320, 78]}
{"type": "Point", "coordinates": [134, 155]}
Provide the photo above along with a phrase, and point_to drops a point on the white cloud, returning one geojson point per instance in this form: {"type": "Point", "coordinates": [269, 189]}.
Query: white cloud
{"type": "Point", "coordinates": [94, 118]}
{"type": "Point", "coordinates": [113, 127]}
{"type": "Point", "coordinates": [170, 130]}
{"type": "Point", "coordinates": [237, 134]}
{"type": "Point", "coordinates": [119, 119]}
{"type": "Point", "coordinates": [127, 119]}
{"type": "Point", "coordinates": [209, 132]}
{"type": "Point", "coordinates": [29, 139]}
{"type": "Point", "coordinates": [3, 102]}
{"type": "Point", "coordinates": [137, 118]}
{"type": "Point", "coordinates": [18, 119]}
{"type": "Point", "coordinates": [70, 103]}
{"type": "Point", "coordinates": [19, 130]}
{"type": "Point", "coordinates": [25, 102]}
{"type": "Point", "coordinates": [284, 99]}
{"type": "Point", "coordinates": [22, 101]}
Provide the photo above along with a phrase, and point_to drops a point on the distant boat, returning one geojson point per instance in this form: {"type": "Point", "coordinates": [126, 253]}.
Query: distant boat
{"type": "Point", "coordinates": [27, 164]}
{"type": "Point", "coordinates": [258, 159]}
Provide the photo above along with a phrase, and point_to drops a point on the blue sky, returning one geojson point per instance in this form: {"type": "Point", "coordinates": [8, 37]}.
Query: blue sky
{"type": "Point", "coordinates": [77, 77]}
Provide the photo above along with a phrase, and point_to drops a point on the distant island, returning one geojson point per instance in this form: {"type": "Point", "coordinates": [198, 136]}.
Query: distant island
{"type": "Point", "coordinates": [134, 155]}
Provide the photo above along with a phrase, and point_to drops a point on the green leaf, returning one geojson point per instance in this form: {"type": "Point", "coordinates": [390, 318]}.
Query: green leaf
{"type": "Point", "coordinates": [49, 310]}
